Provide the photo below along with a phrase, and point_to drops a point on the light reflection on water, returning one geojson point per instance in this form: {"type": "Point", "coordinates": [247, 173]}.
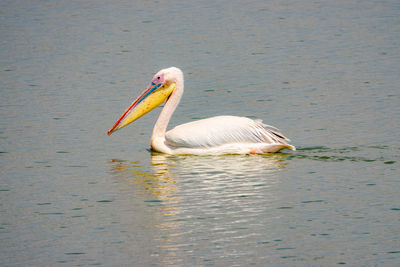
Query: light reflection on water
{"type": "Point", "coordinates": [199, 200]}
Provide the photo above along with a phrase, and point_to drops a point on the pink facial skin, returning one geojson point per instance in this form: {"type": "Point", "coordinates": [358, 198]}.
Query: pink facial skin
{"type": "Point", "coordinates": [158, 79]}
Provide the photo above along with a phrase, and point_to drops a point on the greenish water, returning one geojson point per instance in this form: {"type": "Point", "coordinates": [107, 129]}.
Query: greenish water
{"type": "Point", "coordinates": [326, 74]}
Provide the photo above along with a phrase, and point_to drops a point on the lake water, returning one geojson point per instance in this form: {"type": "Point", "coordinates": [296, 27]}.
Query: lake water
{"type": "Point", "coordinates": [327, 74]}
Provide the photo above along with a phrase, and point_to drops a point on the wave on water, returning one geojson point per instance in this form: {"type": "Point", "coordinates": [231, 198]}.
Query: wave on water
{"type": "Point", "coordinates": [376, 153]}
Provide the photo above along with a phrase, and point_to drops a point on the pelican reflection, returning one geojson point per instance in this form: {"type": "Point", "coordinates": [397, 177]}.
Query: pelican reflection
{"type": "Point", "coordinates": [187, 195]}
{"type": "Point", "coordinates": [165, 179]}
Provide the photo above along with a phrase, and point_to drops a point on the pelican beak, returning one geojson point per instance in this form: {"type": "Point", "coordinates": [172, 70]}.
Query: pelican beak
{"type": "Point", "coordinates": [152, 97]}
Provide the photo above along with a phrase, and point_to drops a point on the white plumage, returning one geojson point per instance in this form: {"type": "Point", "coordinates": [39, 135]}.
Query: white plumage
{"type": "Point", "coordinates": [220, 130]}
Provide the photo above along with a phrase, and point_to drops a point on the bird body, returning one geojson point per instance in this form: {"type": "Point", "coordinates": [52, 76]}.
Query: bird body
{"type": "Point", "coordinates": [211, 136]}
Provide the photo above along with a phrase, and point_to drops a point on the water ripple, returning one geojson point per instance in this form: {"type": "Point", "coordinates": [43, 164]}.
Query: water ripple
{"type": "Point", "coordinates": [357, 154]}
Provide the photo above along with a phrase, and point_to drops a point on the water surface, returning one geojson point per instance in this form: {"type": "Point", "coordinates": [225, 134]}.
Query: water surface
{"type": "Point", "coordinates": [326, 74]}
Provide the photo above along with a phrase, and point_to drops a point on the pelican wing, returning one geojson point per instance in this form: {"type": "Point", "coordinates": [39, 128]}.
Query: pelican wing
{"type": "Point", "coordinates": [220, 130]}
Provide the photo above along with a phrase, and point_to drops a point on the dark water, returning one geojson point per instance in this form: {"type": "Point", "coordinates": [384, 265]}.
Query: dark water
{"type": "Point", "coordinates": [326, 73]}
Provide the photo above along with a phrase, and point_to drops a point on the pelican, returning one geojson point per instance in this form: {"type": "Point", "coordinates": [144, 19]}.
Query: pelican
{"type": "Point", "coordinates": [213, 136]}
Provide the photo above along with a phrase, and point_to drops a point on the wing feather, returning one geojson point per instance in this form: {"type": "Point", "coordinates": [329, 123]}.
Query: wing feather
{"type": "Point", "coordinates": [220, 130]}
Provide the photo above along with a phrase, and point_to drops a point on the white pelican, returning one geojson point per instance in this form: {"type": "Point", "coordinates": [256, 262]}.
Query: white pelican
{"type": "Point", "coordinates": [212, 136]}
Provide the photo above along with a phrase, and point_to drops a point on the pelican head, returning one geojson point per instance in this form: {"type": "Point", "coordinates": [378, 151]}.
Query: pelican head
{"type": "Point", "coordinates": [161, 87]}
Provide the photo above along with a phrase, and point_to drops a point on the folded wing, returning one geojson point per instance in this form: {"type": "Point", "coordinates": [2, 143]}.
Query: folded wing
{"type": "Point", "coordinates": [221, 130]}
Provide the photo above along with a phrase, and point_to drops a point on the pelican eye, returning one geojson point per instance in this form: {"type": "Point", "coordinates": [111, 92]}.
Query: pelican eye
{"type": "Point", "coordinates": [158, 79]}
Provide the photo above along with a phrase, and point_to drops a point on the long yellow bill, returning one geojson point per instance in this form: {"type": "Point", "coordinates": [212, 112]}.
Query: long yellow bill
{"type": "Point", "coordinates": [152, 97]}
